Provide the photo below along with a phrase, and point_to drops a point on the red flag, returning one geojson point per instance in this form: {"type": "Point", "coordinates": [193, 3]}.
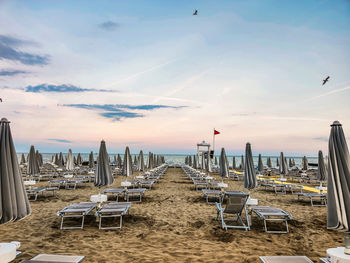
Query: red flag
{"type": "Point", "coordinates": [216, 132]}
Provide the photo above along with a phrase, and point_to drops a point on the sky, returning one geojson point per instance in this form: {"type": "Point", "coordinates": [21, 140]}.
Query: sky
{"type": "Point", "coordinates": [150, 75]}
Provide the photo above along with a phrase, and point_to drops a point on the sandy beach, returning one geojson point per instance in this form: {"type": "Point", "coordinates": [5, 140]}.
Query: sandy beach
{"type": "Point", "coordinates": [172, 224]}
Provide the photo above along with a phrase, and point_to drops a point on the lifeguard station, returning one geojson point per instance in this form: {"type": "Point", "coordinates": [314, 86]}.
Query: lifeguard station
{"type": "Point", "coordinates": [203, 150]}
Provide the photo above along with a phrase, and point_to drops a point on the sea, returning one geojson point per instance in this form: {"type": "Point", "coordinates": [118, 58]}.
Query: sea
{"type": "Point", "coordinates": [174, 159]}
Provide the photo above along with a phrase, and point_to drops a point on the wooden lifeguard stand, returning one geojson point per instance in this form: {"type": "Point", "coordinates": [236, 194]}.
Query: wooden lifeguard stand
{"type": "Point", "coordinates": [203, 150]}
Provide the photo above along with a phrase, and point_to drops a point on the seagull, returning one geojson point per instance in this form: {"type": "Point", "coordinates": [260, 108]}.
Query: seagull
{"type": "Point", "coordinates": [195, 12]}
{"type": "Point", "coordinates": [325, 80]}
{"type": "Point", "coordinates": [0, 99]}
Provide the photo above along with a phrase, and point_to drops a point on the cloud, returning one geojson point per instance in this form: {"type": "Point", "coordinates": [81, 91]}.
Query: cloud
{"type": "Point", "coordinates": [64, 88]}
{"type": "Point", "coordinates": [117, 111]}
{"type": "Point", "coordinates": [8, 51]}
{"type": "Point", "coordinates": [330, 92]}
{"type": "Point", "coordinates": [11, 72]}
{"type": "Point", "coordinates": [323, 139]}
{"type": "Point", "coordinates": [60, 140]}
{"type": "Point", "coordinates": [109, 25]}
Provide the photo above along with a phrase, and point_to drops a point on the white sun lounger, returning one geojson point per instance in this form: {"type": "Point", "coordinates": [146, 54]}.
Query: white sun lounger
{"type": "Point", "coordinates": [209, 193]}
{"type": "Point", "coordinates": [272, 214]}
{"type": "Point", "coordinates": [79, 210]}
{"type": "Point", "coordinates": [115, 192]}
{"type": "Point", "coordinates": [55, 258]}
{"type": "Point", "coordinates": [34, 192]}
{"type": "Point", "coordinates": [322, 198]}
{"type": "Point", "coordinates": [285, 259]}
{"type": "Point", "coordinates": [113, 210]}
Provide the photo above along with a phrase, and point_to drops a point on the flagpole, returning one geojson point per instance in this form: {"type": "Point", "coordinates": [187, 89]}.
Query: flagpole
{"type": "Point", "coordinates": [214, 141]}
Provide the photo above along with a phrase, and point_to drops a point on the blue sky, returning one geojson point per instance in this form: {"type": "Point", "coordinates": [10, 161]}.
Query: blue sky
{"type": "Point", "coordinates": [251, 69]}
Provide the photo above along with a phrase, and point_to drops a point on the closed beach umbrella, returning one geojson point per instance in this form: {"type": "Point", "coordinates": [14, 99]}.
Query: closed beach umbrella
{"type": "Point", "coordinates": [190, 160]}
{"type": "Point", "coordinates": [74, 160]}
{"type": "Point", "coordinates": [56, 159]}
{"type": "Point", "coordinates": [208, 164]}
{"type": "Point", "coordinates": [224, 168]}
{"type": "Point", "coordinates": [115, 160]}
{"type": "Point", "coordinates": [249, 171]}
{"type": "Point", "coordinates": [103, 173]}
{"type": "Point", "coordinates": [149, 160]}
{"type": "Point", "coordinates": [135, 160]}
{"type": "Point", "coordinates": [305, 163]}
{"type": "Point", "coordinates": [216, 160]}
{"type": "Point", "coordinates": [33, 164]}
{"type": "Point", "coordinates": [242, 162]}
{"type": "Point", "coordinates": [338, 207]}
{"type": "Point", "coordinates": [141, 164]}
{"type": "Point", "coordinates": [321, 171]}
{"type": "Point", "coordinates": [23, 159]}
{"type": "Point", "coordinates": [194, 162]}
{"type": "Point", "coordinates": [277, 162]}
{"type": "Point", "coordinates": [14, 204]}
{"type": "Point", "coordinates": [290, 162]}
{"type": "Point", "coordinates": [260, 164]}
{"type": "Point", "coordinates": [234, 162]}
{"type": "Point", "coordinates": [283, 165]}
{"type": "Point", "coordinates": [70, 161]}
{"type": "Point", "coordinates": [61, 159]}
{"type": "Point", "coordinates": [119, 161]}
{"type": "Point", "coordinates": [127, 166]}
{"type": "Point", "coordinates": [269, 164]}
{"type": "Point", "coordinates": [79, 160]}
{"type": "Point", "coordinates": [91, 160]}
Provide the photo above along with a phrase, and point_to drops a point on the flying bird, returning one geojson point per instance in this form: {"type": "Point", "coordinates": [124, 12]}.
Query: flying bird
{"type": "Point", "coordinates": [325, 80]}
{"type": "Point", "coordinates": [0, 99]}
{"type": "Point", "coordinates": [195, 12]}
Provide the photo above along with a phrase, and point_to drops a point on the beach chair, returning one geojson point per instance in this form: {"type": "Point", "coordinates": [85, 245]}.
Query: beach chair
{"type": "Point", "coordinates": [235, 206]}
{"type": "Point", "coordinates": [55, 259]}
{"type": "Point", "coordinates": [113, 210]}
{"type": "Point", "coordinates": [285, 259]}
{"type": "Point", "coordinates": [115, 192]}
{"type": "Point", "coordinates": [272, 214]}
{"type": "Point", "coordinates": [79, 210]}
{"type": "Point", "coordinates": [132, 193]}
{"type": "Point", "coordinates": [322, 198]}
{"type": "Point", "coordinates": [34, 192]}
{"type": "Point", "coordinates": [208, 193]}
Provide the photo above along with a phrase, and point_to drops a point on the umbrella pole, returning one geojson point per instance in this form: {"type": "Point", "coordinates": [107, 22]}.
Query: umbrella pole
{"type": "Point", "coordinates": [347, 243]}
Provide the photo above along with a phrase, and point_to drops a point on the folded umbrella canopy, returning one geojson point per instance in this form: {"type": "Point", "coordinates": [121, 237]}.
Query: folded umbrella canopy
{"type": "Point", "coordinates": [141, 163]}
{"type": "Point", "coordinates": [283, 165]}
{"type": "Point", "coordinates": [305, 163]}
{"type": "Point", "coordinates": [70, 161]}
{"type": "Point", "coordinates": [321, 171]}
{"type": "Point", "coordinates": [234, 162]}
{"type": "Point", "coordinates": [61, 160]}
{"type": "Point", "coordinates": [91, 160]}
{"type": "Point", "coordinates": [224, 168]}
{"type": "Point", "coordinates": [79, 160]}
{"type": "Point", "coordinates": [249, 171]}
{"type": "Point", "coordinates": [242, 162]}
{"type": "Point", "coordinates": [33, 164]}
{"type": "Point", "coordinates": [269, 164]}
{"type": "Point", "coordinates": [195, 162]}
{"type": "Point", "coordinates": [260, 164]}
{"type": "Point", "coordinates": [23, 159]}
{"type": "Point", "coordinates": [14, 204]}
{"type": "Point", "coordinates": [127, 166]}
{"type": "Point", "coordinates": [119, 161]}
{"type": "Point", "coordinates": [103, 173]}
{"type": "Point", "coordinates": [338, 187]}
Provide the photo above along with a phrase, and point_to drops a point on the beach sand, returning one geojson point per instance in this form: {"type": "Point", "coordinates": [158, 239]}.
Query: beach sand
{"type": "Point", "coordinates": [173, 224]}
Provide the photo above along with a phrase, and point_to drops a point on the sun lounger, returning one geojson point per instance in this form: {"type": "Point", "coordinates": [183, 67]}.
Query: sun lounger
{"type": "Point", "coordinates": [208, 193]}
{"type": "Point", "coordinates": [72, 184]}
{"type": "Point", "coordinates": [272, 214]}
{"type": "Point", "coordinates": [34, 192]}
{"type": "Point", "coordinates": [57, 183]}
{"type": "Point", "coordinates": [146, 183]}
{"type": "Point", "coordinates": [285, 259]}
{"type": "Point", "coordinates": [54, 259]}
{"type": "Point", "coordinates": [79, 210]}
{"type": "Point", "coordinates": [114, 191]}
{"type": "Point", "coordinates": [322, 198]}
{"type": "Point", "coordinates": [113, 210]}
{"type": "Point", "coordinates": [131, 193]}
{"type": "Point", "coordinates": [235, 206]}
{"type": "Point", "coordinates": [200, 185]}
